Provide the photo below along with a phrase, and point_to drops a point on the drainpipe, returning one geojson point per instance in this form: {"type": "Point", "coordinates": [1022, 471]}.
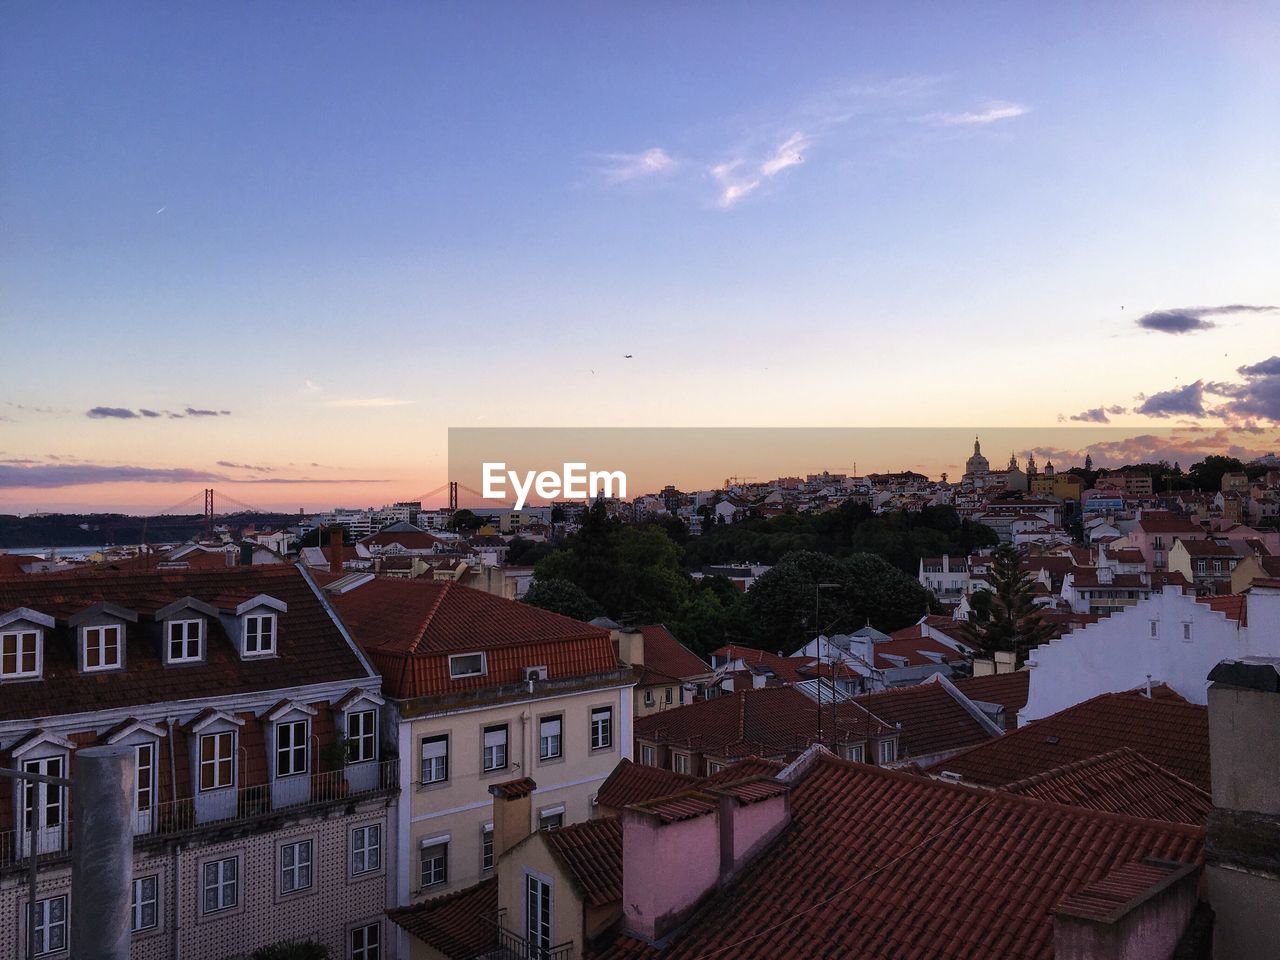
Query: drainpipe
{"type": "Point", "coordinates": [102, 856]}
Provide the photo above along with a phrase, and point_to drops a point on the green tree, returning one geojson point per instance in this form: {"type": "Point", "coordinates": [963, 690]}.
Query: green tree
{"type": "Point", "coordinates": [563, 597]}
{"type": "Point", "coordinates": [1006, 618]}
{"type": "Point", "coordinates": [1207, 474]}
{"type": "Point", "coordinates": [292, 950]}
{"type": "Point", "coordinates": [463, 520]}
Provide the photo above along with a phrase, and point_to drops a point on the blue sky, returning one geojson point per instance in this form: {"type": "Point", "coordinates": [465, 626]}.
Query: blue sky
{"type": "Point", "coordinates": [353, 226]}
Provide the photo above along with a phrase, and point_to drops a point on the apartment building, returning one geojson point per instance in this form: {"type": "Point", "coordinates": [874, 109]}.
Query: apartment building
{"type": "Point", "coordinates": [484, 690]}
{"type": "Point", "coordinates": [265, 797]}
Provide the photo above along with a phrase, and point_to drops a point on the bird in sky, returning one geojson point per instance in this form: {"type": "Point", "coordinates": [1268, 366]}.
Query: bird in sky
{"type": "Point", "coordinates": [627, 357]}
{"type": "Point", "coordinates": [163, 209]}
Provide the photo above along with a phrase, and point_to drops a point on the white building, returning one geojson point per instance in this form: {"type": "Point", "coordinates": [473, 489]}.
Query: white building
{"type": "Point", "coordinates": [1168, 638]}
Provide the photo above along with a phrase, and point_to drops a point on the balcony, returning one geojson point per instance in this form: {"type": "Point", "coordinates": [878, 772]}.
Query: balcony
{"type": "Point", "coordinates": [512, 946]}
{"type": "Point", "coordinates": [215, 809]}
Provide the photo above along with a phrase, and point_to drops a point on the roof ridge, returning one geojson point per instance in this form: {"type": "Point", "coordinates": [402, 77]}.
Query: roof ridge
{"type": "Point", "coordinates": [430, 615]}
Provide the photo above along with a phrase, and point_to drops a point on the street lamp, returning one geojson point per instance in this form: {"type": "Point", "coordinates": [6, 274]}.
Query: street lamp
{"type": "Point", "coordinates": [817, 626]}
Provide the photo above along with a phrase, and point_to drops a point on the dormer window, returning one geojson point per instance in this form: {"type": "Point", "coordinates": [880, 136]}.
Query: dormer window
{"type": "Point", "coordinates": [184, 641]}
{"type": "Point", "coordinates": [260, 635]}
{"type": "Point", "coordinates": [466, 665]}
{"type": "Point", "coordinates": [19, 654]}
{"type": "Point", "coordinates": [101, 647]}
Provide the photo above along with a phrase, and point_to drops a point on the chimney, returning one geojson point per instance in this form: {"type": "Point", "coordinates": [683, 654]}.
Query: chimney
{"type": "Point", "coordinates": [1138, 911]}
{"type": "Point", "coordinates": [334, 551]}
{"type": "Point", "coordinates": [712, 833]}
{"type": "Point", "coordinates": [1242, 843]}
{"type": "Point", "coordinates": [630, 643]}
{"type": "Point", "coordinates": [512, 813]}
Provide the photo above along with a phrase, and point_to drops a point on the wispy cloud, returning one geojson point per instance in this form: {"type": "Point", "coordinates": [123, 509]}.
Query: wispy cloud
{"type": "Point", "coordinates": [1190, 319]}
{"type": "Point", "coordinates": [624, 167]}
{"type": "Point", "coordinates": [244, 466]}
{"type": "Point", "coordinates": [738, 178]}
{"type": "Point", "coordinates": [309, 386]}
{"type": "Point", "coordinates": [111, 413]}
{"type": "Point", "coordinates": [995, 111]}
{"type": "Point", "coordinates": [125, 413]}
{"type": "Point", "coordinates": [368, 402]}
{"type": "Point", "coordinates": [32, 474]}
{"type": "Point", "coordinates": [1098, 414]}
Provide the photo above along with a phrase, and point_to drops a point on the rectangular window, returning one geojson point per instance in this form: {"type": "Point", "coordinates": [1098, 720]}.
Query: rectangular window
{"type": "Point", "coordinates": [466, 665]}
{"type": "Point", "coordinates": [537, 915]}
{"type": "Point", "coordinates": [1186, 631]}
{"type": "Point", "coordinates": [216, 769]}
{"type": "Point", "coordinates": [260, 634]}
{"type": "Point", "coordinates": [19, 654]}
{"type": "Point", "coordinates": [366, 942]}
{"type": "Point", "coordinates": [550, 738]}
{"type": "Point", "coordinates": [435, 864]}
{"type": "Point", "coordinates": [679, 762]}
{"type": "Point", "coordinates": [855, 753]}
{"type": "Point", "coordinates": [145, 776]}
{"type": "Point", "coordinates": [291, 748]}
{"type": "Point", "coordinates": [714, 767]}
{"type": "Point", "coordinates": [601, 728]}
{"type": "Point", "coordinates": [295, 866]}
{"type": "Point", "coordinates": [435, 759]}
{"type": "Point", "coordinates": [486, 847]}
{"type": "Point", "coordinates": [646, 757]}
{"type": "Point", "coordinates": [101, 648]}
{"type": "Point", "coordinates": [648, 698]}
{"type": "Point", "coordinates": [144, 910]}
{"type": "Point", "coordinates": [51, 925]}
{"type": "Point", "coordinates": [43, 803]}
{"type": "Point", "coordinates": [495, 748]}
{"type": "Point", "coordinates": [1155, 628]}
{"type": "Point", "coordinates": [667, 696]}
{"type": "Point", "coordinates": [362, 736]}
{"type": "Point", "coordinates": [220, 884]}
{"type": "Point", "coordinates": [366, 849]}
{"type": "Point", "coordinates": [551, 819]}
{"type": "Point", "coordinates": [888, 751]}
{"type": "Point", "coordinates": [184, 640]}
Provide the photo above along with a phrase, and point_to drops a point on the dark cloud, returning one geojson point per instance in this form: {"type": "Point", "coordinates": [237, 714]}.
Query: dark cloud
{"type": "Point", "coordinates": [111, 413]}
{"type": "Point", "coordinates": [195, 412]}
{"type": "Point", "coordinates": [243, 466]}
{"type": "Point", "coordinates": [30, 473]}
{"type": "Point", "coordinates": [1096, 415]}
{"type": "Point", "coordinates": [1191, 319]}
{"type": "Point", "coordinates": [1116, 410]}
{"type": "Point", "coordinates": [1180, 401]}
{"type": "Point", "coordinates": [1267, 368]}
{"type": "Point", "coordinates": [1257, 398]}
{"type": "Point", "coordinates": [148, 413]}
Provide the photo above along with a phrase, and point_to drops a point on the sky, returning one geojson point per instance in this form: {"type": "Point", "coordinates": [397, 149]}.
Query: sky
{"type": "Point", "coordinates": [280, 249]}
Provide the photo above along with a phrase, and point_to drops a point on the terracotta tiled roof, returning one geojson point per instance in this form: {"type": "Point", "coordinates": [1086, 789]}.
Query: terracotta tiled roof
{"type": "Point", "coordinates": [460, 924]}
{"type": "Point", "coordinates": [311, 648]}
{"type": "Point", "coordinates": [11, 564]}
{"type": "Point", "coordinates": [910, 644]}
{"type": "Point", "coordinates": [1206, 548]}
{"type": "Point", "coordinates": [1010, 690]}
{"type": "Point", "coordinates": [932, 720]}
{"type": "Point", "coordinates": [1122, 781]}
{"type": "Point", "coordinates": [769, 721]}
{"type": "Point", "coordinates": [1165, 729]}
{"type": "Point", "coordinates": [410, 627]}
{"type": "Point", "coordinates": [1168, 524]}
{"type": "Point", "coordinates": [883, 865]}
{"type": "Point", "coordinates": [634, 782]}
{"type": "Point", "coordinates": [409, 539]}
{"type": "Point", "coordinates": [1107, 899]}
{"type": "Point", "coordinates": [592, 853]}
{"type": "Point", "coordinates": [1233, 606]}
{"type": "Point", "coordinates": [747, 767]}
{"type": "Point", "coordinates": [513, 789]}
{"type": "Point", "coordinates": [667, 655]}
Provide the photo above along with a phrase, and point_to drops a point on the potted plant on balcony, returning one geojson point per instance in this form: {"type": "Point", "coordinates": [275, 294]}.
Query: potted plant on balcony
{"type": "Point", "coordinates": [333, 761]}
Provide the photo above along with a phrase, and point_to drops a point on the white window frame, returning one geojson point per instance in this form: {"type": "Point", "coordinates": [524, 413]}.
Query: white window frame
{"type": "Point", "coordinates": [439, 870]}
{"type": "Point", "coordinates": [888, 751]}
{"type": "Point", "coordinates": [679, 762]}
{"type": "Point", "coordinates": [144, 776]}
{"type": "Point", "coordinates": [138, 901]}
{"type": "Point", "coordinates": [286, 760]}
{"type": "Point", "coordinates": [648, 756]}
{"type": "Point", "coordinates": [713, 767]}
{"type": "Point", "coordinates": [298, 875]}
{"type": "Point", "coordinates": [488, 760]}
{"type": "Point", "coordinates": [857, 753]}
{"type": "Point", "coordinates": [442, 739]}
{"type": "Point", "coordinates": [539, 913]}
{"type": "Point", "coordinates": [17, 638]}
{"type": "Point", "coordinates": [648, 697]}
{"type": "Point", "coordinates": [264, 636]}
{"type": "Point", "coordinates": [185, 640]}
{"type": "Point", "coordinates": [487, 858]}
{"type": "Point", "coordinates": [225, 885]}
{"type": "Point", "coordinates": [602, 728]}
{"type": "Point", "coordinates": [368, 948]}
{"type": "Point", "coordinates": [46, 926]}
{"type": "Point", "coordinates": [362, 746]}
{"type": "Point", "coordinates": [100, 645]}
{"type": "Point", "coordinates": [463, 674]}
{"type": "Point", "coordinates": [551, 744]}
{"type": "Point", "coordinates": [218, 760]}
{"type": "Point", "coordinates": [366, 847]}
{"type": "Point", "coordinates": [39, 800]}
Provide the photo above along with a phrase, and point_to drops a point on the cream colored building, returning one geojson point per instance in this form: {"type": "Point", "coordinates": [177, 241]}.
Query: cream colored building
{"type": "Point", "coordinates": [483, 690]}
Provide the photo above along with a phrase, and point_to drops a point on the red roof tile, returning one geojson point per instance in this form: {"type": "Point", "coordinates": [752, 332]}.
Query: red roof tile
{"type": "Point", "coordinates": [668, 656]}
{"type": "Point", "coordinates": [909, 644]}
{"type": "Point", "coordinates": [769, 721]}
{"type": "Point", "coordinates": [1233, 606]}
{"type": "Point", "coordinates": [1108, 899]}
{"type": "Point", "coordinates": [410, 627]}
{"type": "Point", "coordinates": [932, 720]}
{"type": "Point", "coordinates": [634, 782]}
{"type": "Point", "coordinates": [592, 853]}
{"type": "Point", "coordinates": [460, 924]}
{"type": "Point", "coordinates": [883, 865]}
{"type": "Point", "coordinates": [1122, 781]}
{"type": "Point", "coordinates": [1165, 729]}
{"type": "Point", "coordinates": [1010, 690]}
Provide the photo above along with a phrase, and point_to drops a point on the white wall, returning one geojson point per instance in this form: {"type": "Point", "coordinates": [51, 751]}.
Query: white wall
{"type": "Point", "coordinates": [1117, 653]}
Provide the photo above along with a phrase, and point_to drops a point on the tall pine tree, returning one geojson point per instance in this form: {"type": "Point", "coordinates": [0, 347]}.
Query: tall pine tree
{"type": "Point", "coordinates": [1011, 621]}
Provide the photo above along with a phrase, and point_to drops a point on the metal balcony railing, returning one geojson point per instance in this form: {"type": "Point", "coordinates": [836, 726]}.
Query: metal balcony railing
{"type": "Point", "coordinates": [218, 808]}
{"type": "Point", "coordinates": [512, 946]}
